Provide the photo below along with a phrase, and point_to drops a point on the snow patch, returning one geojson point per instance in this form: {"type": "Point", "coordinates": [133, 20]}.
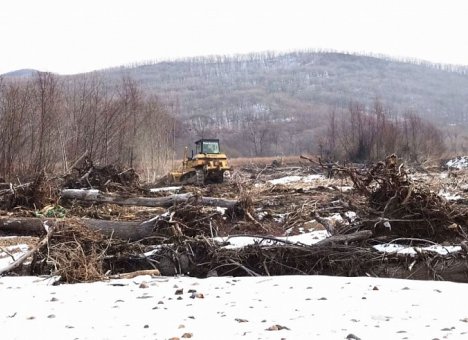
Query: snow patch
{"type": "Point", "coordinates": [221, 210]}
{"type": "Point", "coordinates": [345, 188]}
{"type": "Point", "coordinates": [351, 215]}
{"type": "Point", "coordinates": [460, 162]}
{"type": "Point", "coordinates": [16, 251]}
{"type": "Point", "coordinates": [449, 196]}
{"type": "Point", "coordinates": [310, 238]}
{"type": "Point", "coordinates": [171, 189]}
{"type": "Point", "coordinates": [293, 179]}
{"type": "Point", "coordinates": [393, 248]}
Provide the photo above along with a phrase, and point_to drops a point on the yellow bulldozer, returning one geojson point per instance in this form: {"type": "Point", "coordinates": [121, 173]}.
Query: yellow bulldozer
{"type": "Point", "coordinates": [206, 165]}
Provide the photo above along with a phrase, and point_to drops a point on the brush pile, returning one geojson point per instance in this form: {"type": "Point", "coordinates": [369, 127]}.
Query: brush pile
{"type": "Point", "coordinates": [34, 194]}
{"type": "Point", "coordinates": [355, 212]}
{"type": "Point", "coordinates": [104, 178]}
{"type": "Point", "coordinates": [396, 205]}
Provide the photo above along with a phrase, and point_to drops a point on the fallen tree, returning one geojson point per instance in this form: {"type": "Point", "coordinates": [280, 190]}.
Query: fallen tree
{"type": "Point", "coordinates": [166, 202]}
{"type": "Point", "coordinates": [18, 262]}
{"type": "Point", "coordinates": [123, 230]}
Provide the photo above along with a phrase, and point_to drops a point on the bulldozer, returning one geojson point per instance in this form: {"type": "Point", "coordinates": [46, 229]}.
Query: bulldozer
{"type": "Point", "coordinates": [205, 165]}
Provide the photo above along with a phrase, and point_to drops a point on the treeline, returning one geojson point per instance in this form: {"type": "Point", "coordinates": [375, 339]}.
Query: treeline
{"type": "Point", "coordinates": [272, 55]}
{"type": "Point", "coordinates": [47, 122]}
{"type": "Point", "coordinates": [224, 86]}
{"type": "Point", "coordinates": [267, 104]}
{"type": "Point", "coordinates": [359, 134]}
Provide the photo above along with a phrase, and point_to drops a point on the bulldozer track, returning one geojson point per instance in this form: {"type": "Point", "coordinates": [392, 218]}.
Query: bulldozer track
{"type": "Point", "coordinates": [200, 177]}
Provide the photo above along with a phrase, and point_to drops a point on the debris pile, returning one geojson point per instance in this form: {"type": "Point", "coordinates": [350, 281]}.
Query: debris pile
{"type": "Point", "coordinates": [400, 207]}
{"type": "Point", "coordinates": [104, 178]}
{"type": "Point", "coordinates": [358, 218]}
{"type": "Point", "coordinates": [34, 194]}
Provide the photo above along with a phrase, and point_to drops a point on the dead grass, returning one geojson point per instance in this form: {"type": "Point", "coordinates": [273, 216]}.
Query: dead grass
{"type": "Point", "coordinates": [16, 240]}
{"type": "Point", "coordinates": [262, 161]}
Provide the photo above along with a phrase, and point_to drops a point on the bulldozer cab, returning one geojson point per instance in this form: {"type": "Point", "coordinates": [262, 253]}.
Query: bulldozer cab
{"type": "Point", "coordinates": [210, 146]}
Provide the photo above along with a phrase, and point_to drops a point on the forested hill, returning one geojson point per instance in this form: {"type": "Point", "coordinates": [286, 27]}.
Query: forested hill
{"type": "Point", "coordinates": [270, 103]}
{"type": "Point", "coordinates": [295, 91]}
{"type": "Point", "coordinates": [296, 82]}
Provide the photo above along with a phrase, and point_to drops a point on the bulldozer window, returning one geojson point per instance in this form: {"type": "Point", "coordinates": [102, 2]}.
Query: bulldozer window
{"type": "Point", "coordinates": [210, 147]}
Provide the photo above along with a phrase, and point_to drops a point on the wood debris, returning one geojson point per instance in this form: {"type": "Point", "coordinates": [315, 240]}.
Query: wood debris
{"type": "Point", "coordinates": [105, 232]}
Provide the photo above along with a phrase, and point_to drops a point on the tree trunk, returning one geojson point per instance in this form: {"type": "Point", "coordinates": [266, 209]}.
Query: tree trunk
{"type": "Point", "coordinates": [356, 236]}
{"type": "Point", "coordinates": [128, 230]}
{"type": "Point", "coordinates": [100, 197]}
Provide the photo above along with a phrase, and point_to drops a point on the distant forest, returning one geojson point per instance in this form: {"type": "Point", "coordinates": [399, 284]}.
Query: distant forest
{"type": "Point", "coordinates": [339, 105]}
{"type": "Point", "coordinates": [269, 104]}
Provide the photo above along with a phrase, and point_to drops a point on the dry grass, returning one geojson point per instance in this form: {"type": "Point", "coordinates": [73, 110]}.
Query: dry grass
{"type": "Point", "coordinates": [16, 240]}
{"type": "Point", "coordinates": [259, 161]}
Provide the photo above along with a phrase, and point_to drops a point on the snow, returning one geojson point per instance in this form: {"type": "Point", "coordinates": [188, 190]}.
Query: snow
{"type": "Point", "coordinates": [459, 162]}
{"type": "Point", "coordinates": [293, 179]}
{"type": "Point", "coordinates": [449, 196]}
{"type": "Point", "coordinates": [351, 215]}
{"type": "Point", "coordinates": [280, 218]}
{"type": "Point", "coordinates": [242, 241]}
{"type": "Point", "coordinates": [221, 210]}
{"type": "Point", "coordinates": [84, 191]}
{"type": "Point", "coordinates": [309, 307]}
{"type": "Point", "coordinates": [335, 218]}
{"type": "Point", "coordinates": [443, 175]}
{"type": "Point", "coordinates": [285, 180]}
{"type": "Point", "coordinates": [345, 188]}
{"type": "Point", "coordinates": [412, 250]}
{"type": "Point", "coordinates": [171, 189]}
{"type": "Point", "coordinates": [15, 250]}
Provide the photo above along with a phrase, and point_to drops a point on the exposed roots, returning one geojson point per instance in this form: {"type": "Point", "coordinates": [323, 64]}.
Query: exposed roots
{"type": "Point", "coordinates": [397, 205]}
{"type": "Point", "coordinates": [77, 254]}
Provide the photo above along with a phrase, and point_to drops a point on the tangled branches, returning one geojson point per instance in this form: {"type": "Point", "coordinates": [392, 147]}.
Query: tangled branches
{"type": "Point", "coordinates": [77, 253]}
{"type": "Point", "coordinates": [202, 257]}
{"type": "Point", "coordinates": [398, 205]}
{"type": "Point", "coordinates": [105, 178]}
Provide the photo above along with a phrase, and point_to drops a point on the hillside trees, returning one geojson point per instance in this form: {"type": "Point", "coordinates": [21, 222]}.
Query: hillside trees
{"type": "Point", "coordinates": [47, 122]}
{"type": "Point", "coordinates": [360, 134]}
{"type": "Point", "coordinates": [419, 137]}
{"type": "Point", "coordinates": [43, 121]}
{"type": "Point", "coordinates": [15, 105]}
{"type": "Point", "coordinates": [217, 94]}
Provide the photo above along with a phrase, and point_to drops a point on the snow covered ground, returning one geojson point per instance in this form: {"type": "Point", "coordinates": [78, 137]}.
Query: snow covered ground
{"type": "Point", "coordinates": [461, 162]}
{"type": "Point", "coordinates": [285, 307]}
{"type": "Point", "coordinates": [164, 189]}
{"type": "Point", "coordinates": [293, 179]}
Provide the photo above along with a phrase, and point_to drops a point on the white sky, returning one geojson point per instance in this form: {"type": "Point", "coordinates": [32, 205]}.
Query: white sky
{"type": "Point", "coordinates": [70, 36]}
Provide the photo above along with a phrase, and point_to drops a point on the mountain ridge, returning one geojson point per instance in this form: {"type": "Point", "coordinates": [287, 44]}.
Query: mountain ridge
{"type": "Point", "coordinates": [290, 95]}
{"type": "Point", "coordinates": [319, 78]}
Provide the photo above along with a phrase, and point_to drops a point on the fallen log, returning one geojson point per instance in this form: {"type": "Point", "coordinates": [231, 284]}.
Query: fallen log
{"type": "Point", "coordinates": [124, 230]}
{"type": "Point", "coordinates": [345, 239]}
{"type": "Point", "coordinates": [168, 201]}
{"type": "Point", "coordinates": [24, 257]}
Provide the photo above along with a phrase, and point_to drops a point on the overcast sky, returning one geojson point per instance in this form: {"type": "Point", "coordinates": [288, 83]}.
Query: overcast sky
{"type": "Point", "coordinates": [71, 36]}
